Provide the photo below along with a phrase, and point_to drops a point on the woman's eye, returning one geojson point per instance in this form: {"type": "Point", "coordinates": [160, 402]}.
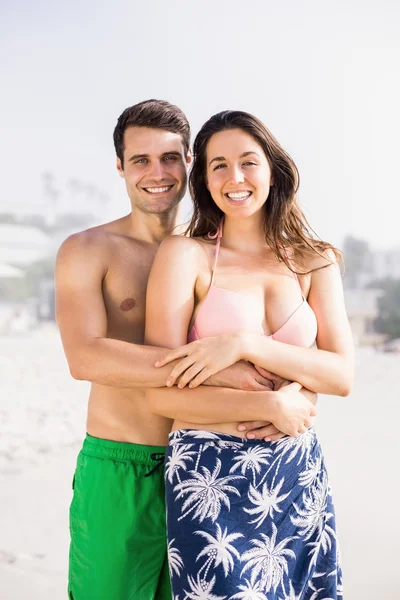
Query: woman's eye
{"type": "Point", "coordinates": [250, 163]}
{"type": "Point", "coordinates": [219, 166]}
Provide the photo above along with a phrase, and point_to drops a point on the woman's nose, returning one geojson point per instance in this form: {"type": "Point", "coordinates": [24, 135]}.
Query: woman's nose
{"type": "Point", "coordinates": [236, 175]}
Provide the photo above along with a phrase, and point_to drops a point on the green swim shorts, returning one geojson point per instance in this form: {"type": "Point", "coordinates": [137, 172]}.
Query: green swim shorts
{"type": "Point", "coordinates": [117, 521]}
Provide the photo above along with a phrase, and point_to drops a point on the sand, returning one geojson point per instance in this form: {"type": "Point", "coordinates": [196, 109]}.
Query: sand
{"type": "Point", "coordinates": [42, 424]}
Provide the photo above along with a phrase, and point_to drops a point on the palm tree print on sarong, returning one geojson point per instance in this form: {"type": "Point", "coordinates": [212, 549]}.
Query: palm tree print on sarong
{"type": "Point", "coordinates": [250, 520]}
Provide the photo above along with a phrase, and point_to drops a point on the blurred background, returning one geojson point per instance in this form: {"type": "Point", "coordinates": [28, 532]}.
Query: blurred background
{"type": "Point", "coordinates": [324, 77]}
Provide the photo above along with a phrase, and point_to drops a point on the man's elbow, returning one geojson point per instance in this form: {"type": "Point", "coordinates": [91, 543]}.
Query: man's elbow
{"type": "Point", "coordinates": [81, 368]}
{"type": "Point", "coordinates": [78, 371]}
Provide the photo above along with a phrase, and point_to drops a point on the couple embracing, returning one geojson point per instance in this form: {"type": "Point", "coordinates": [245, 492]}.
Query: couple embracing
{"type": "Point", "coordinates": [206, 349]}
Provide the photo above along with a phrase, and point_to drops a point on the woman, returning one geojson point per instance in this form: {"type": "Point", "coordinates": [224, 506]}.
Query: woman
{"type": "Point", "coordinates": [248, 518]}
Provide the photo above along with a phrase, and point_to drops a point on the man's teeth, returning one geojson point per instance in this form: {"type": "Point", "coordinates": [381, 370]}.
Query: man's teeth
{"type": "Point", "coordinates": [157, 190]}
{"type": "Point", "coordinates": [238, 195]}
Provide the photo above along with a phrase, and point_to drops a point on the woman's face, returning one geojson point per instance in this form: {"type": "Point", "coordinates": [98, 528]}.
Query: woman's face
{"type": "Point", "coordinates": [238, 173]}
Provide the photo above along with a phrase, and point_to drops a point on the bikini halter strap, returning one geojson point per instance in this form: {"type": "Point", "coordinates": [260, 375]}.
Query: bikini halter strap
{"type": "Point", "coordinates": [217, 236]}
{"type": "Point", "coordinates": [294, 272]}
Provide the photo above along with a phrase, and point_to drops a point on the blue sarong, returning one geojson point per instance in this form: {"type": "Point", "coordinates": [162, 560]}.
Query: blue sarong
{"type": "Point", "coordinates": [250, 520]}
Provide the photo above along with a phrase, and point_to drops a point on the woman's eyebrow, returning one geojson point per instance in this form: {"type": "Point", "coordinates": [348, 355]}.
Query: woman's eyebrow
{"type": "Point", "coordinates": [219, 158]}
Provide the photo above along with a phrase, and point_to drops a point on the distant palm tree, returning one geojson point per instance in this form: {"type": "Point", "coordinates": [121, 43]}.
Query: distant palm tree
{"type": "Point", "coordinates": [175, 562]}
{"type": "Point", "coordinates": [267, 561]}
{"type": "Point", "coordinates": [266, 502]}
{"type": "Point", "coordinates": [206, 493]}
{"type": "Point", "coordinates": [219, 550]}
{"type": "Point", "coordinates": [201, 590]}
{"type": "Point", "coordinates": [252, 458]}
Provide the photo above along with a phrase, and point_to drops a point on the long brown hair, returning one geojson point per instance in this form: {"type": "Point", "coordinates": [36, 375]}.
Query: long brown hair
{"type": "Point", "coordinates": [286, 227]}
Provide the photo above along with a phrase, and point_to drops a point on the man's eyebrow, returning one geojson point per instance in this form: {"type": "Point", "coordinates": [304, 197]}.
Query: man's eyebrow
{"type": "Point", "coordinates": [138, 156]}
{"type": "Point", "coordinates": [219, 158]}
{"type": "Point", "coordinates": [172, 152]}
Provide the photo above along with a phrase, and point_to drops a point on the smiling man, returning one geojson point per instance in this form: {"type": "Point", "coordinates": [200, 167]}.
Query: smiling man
{"type": "Point", "coordinates": [117, 516]}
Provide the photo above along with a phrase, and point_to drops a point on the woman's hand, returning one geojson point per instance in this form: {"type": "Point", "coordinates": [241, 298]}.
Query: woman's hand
{"type": "Point", "coordinates": [263, 429]}
{"type": "Point", "coordinates": [292, 411]}
{"type": "Point", "coordinates": [260, 430]}
{"type": "Point", "coordinates": [202, 358]}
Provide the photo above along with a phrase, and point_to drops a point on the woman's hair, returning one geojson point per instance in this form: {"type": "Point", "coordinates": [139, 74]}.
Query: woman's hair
{"type": "Point", "coordinates": [286, 227]}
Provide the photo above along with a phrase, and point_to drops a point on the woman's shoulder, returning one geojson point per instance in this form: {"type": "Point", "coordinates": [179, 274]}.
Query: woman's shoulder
{"type": "Point", "coordinates": [321, 257]}
{"type": "Point", "coordinates": [184, 247]}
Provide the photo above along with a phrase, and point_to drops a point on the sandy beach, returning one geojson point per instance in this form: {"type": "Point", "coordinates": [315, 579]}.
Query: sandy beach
{"type": "Point", "coordinates": [42, 424]}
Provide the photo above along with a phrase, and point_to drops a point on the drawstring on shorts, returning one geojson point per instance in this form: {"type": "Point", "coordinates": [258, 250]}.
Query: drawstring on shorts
{"type": "Point", "coordinates": [159, 457]}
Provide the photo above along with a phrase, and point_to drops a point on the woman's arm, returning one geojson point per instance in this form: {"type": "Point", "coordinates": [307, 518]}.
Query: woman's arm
{"type": "Point", "coordinates": [326, 369]}
{"type": "Point", "coordinates": [169, 307]}
{"type": "Point", "coordinates": [329, 368]}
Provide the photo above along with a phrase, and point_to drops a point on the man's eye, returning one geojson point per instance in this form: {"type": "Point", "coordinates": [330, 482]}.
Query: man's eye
{"type": "Point", "coordinates": [141, 160]}
{"type": "Point", "coordinates": [170, 158]}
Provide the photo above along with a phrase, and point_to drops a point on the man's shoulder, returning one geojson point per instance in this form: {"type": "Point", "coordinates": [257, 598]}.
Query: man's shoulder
{"type": "Point", "coordinates": [93, 238]}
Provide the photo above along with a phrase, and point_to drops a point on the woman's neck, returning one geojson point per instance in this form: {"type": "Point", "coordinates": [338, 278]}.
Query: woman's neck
{"type": "Point", "coordinates": [244, 235]}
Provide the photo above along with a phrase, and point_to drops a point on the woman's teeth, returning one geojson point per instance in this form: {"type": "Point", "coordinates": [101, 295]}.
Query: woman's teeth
{"type": "Point", "coordinates": [238, 195]}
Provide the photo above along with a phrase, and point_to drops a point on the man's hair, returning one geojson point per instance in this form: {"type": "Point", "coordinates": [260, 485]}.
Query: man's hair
{"type": "Point", "coordinates": [158, 114]}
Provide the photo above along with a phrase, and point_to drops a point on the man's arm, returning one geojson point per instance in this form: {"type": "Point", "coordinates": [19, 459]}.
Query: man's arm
{"type": "Point", "coordinates": [81, 316]}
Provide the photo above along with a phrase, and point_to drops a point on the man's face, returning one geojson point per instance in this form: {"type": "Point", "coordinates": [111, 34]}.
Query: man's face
{"type": "Point", "coordinates": [155, 169]}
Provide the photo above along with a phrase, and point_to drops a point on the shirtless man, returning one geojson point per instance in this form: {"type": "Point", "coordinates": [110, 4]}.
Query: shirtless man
{"type": "Point", "coordinates": [117, 517]}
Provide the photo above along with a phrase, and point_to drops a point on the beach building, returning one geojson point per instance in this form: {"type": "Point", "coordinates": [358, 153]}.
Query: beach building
{"type": "Point", "coordinates": [22, 245]}
{"type": "Point", "coordinates": [362, 310]}
{"type": "Point", "coordinates": [384, 264]}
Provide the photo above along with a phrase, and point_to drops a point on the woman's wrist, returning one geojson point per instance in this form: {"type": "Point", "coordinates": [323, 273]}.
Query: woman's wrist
{"type": "Point", "coordinates": [244, 339]}
{"type": "Point", "coordinates": [270, 405]}
{"type": "Point", "coordinates": [250, 347]}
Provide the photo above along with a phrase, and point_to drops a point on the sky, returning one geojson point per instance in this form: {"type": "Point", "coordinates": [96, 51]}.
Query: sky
{"type": "Point", "coordinates": [322, 75]}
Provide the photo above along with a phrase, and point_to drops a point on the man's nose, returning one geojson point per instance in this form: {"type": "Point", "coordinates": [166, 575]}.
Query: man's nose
{"type": "Point", "coordinates": [157, 170]}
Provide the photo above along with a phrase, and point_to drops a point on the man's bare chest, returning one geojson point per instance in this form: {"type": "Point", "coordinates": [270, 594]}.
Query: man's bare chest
{"type": "Point", "coordinates": [124, 293]}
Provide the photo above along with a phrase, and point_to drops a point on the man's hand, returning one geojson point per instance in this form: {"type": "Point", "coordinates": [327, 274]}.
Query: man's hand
{"type": "Point", "coordinates": [277, 381]}
{"type": "Point", "coordinates": [241, 376]}
{"type": "Point", "coordinates": [258, 430]}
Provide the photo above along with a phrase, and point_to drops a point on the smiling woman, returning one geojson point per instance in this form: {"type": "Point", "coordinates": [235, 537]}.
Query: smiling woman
{"type": "Point", "coordinates": [250, 283]}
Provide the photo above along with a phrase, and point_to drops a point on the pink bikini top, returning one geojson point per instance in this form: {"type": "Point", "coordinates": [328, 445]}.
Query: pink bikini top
{"type": "Point", "coordinates": [224, 311]}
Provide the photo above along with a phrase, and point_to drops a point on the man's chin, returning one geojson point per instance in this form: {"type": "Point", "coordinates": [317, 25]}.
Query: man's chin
{"type": "Point", "coordinates": [161, 206]}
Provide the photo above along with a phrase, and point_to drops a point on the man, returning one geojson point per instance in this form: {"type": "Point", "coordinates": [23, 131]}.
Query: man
{"type": "Point", "coordinates": [117, 517]}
